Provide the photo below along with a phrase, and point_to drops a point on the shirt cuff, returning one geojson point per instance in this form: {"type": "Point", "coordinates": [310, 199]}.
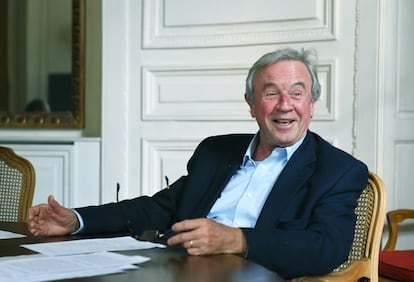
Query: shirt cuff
{"type": "Point", "coordinates": [81, 224]}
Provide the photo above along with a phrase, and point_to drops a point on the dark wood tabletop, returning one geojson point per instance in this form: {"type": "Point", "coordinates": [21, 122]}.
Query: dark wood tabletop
{"type": "Point", "coordinates": [166, 264]}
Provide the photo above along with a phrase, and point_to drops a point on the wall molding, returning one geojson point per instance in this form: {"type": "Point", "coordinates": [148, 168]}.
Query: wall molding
{"type": "Point", "coordinates": [316, 26]}
{"type": "Point", "coordinates": [195, 93]}
{"type": "Point", "coordinates": [163, 157]}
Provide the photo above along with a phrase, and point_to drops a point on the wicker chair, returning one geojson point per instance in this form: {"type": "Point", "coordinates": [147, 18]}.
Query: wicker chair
{"type": "Point", "coordinates": [362, 263]}
{"type": "Point", "coordinates": [17, 182]}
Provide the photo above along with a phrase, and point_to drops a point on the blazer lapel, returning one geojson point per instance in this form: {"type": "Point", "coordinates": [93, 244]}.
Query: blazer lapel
{"type": "Point", "coordinates": [214, 191]}
{"type": "Point", "coordinates": [299, 168]}
{"type": "Point", "coordinates": [226, 168]}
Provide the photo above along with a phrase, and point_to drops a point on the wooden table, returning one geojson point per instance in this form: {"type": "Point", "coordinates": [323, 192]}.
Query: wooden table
{"type": "Point", "coordinates": [169, 264]}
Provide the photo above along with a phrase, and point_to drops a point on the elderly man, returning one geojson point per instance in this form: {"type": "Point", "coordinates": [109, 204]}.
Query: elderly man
{"type": "Point", "coordinates": [283, 197]}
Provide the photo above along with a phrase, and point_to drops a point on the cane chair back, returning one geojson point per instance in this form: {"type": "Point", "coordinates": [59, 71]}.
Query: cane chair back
{"type": "Point", "coordinates": [17, 183]}
{"type": "Point", "coordinates": [362, 261]}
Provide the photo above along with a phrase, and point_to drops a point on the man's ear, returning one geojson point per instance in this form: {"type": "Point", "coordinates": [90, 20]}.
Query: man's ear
{"type": "Point", "coordinates": [251, 106]}
{"type": "Point", "coordinates": [312, 109]}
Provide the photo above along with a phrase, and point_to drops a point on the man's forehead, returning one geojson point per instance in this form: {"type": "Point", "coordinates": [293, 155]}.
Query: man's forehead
{"type": "Point", "coordinates": [293, 71]}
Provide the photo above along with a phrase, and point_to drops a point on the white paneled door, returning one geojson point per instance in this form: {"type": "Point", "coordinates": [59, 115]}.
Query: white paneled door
{"type": "Point", "coordinates": [174, 73]}
{"type": "Point", "coordinates": [396, 160]}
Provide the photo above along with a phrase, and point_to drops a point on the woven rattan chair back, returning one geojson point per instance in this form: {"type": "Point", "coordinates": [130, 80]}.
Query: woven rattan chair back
{"type": "Point", "coordinates": [362, 263]}
{"type": "Point", "coordinates": [364, 212]}
{"type": "Point", "coordinates": [17, 182]}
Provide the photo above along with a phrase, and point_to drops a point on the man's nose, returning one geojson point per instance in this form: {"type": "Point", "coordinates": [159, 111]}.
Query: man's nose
{"type": "Point", "coordinates": [284, 103]}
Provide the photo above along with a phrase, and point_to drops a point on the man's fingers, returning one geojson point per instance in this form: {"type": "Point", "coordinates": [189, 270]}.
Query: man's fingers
{"type": "Point", "coordinates": [179, 238]}
{"type": "Point", "coordinates": [53, 203]}
{"type": "Point", "coordinates": [32, 213]}
{"type": "Point", "coordinates": [184, 225]}
{"type": "Point", "coordinates": [187, 231]}
{"type": "Point", "coordinates": [55, 210]}
{"type": "Point", "coordinates": [189, 225]}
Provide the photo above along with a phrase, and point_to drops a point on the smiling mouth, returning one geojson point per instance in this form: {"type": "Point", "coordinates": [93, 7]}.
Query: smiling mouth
{"type": "Point", "coordinates": [283, 122]}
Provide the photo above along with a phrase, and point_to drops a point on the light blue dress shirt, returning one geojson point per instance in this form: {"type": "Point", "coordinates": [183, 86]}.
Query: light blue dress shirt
{"type": "Point", "coordinates": [242, 199]}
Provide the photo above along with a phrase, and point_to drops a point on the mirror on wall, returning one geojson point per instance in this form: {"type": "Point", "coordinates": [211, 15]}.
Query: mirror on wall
{"type": "Point", "coordinates": [41, 63]}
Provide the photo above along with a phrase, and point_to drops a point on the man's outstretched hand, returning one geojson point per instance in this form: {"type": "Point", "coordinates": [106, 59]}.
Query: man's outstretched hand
{"type": "Point", "coordinates": [51, 219]}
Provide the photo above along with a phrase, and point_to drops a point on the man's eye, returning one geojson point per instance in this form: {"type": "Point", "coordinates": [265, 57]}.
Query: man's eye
{"type": "Point", "coordinates": [296, 94]}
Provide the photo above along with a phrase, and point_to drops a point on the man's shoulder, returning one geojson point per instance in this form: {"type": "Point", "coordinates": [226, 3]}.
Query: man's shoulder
{"type": "Point", "coordinates": [236, 143]}
{"type": "Point", "coordinates": [325, 150]}
{"type": "Point", "coordinates": [333, 163]}
{"type": "Point", "coordinates": [231, 139]}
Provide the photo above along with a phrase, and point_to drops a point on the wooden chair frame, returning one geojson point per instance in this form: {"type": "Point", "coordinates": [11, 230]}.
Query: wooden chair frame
{"type": "Point", "coordinates": [393, 219]}
{"type": "Point", "coordinates": [363, 266]}
{"type": "Point", "coordinates": [11, 160]}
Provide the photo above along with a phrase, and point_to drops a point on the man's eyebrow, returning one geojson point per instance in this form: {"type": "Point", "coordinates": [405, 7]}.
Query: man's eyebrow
{"type": "Point", "coordinates": [270, 85]}
{"type": "Point", "coordinates": [299, 83]}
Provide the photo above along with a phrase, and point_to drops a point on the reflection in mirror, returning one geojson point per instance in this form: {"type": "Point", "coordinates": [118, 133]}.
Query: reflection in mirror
{"type": "Point", "coordinates": [42, 63]}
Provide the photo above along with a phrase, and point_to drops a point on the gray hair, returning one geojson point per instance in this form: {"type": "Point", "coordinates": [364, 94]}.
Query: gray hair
{"type": "Point", "coordinates": [308, 57]}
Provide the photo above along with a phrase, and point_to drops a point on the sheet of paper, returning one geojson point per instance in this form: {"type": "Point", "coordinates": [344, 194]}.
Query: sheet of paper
{"type": "Point", "coordinates": [10, 235]}
{"type": "Point", "coordinates": [71, 266]}
{"type": "Point", "coordinates": [84, 246]}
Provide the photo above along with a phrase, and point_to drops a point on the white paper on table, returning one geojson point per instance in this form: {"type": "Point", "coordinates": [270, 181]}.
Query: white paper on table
{"type": "Point", "coordinates": [71, 266]}
{"type": "Point", "coordinates": [10, 235]}
{"type": "Point", "coordinates": [83, 246]}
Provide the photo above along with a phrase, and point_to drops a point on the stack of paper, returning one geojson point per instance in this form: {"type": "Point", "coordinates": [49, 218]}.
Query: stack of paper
{"type": "Point", "coordinates": [76, 258]}
{"type": "Point", "coordinates": [10, 235]}
{"type": "Point", "coordinates": [84, 246]}
{"type": "Point", "coordinates": [63, 267]}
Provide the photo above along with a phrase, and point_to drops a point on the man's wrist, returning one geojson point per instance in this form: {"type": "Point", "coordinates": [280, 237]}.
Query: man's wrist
{"type": "Point", "coordinates": [243, 244]}
{"type": "Point", "coordinates": [78, 225]}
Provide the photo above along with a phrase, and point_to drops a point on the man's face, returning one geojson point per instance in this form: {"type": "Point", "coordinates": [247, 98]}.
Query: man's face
{"type": "Point", "coordinates": [282, 103]}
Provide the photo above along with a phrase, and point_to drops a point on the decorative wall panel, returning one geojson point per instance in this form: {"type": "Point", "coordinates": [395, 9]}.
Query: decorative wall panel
{"type": "Point", "coordinates": [403, 190]}
{"type": "Point", "coordinates": [68, 170]}
{"type": "Point", "coordinates": [404, 194]}
{"type": "Point", "coordinates": [215, 93]}
{"type": "Point", "coordinates": [162, 158]}
{"type": "Point", "coordinates": [51, 164]}
{"type": "Point", "coordinates": [405, 73]}
{"type": "Point", "coordinates": [325, 106]}
{"type": "Point", "coordinates": [190, 93]}
{"type": "Point", "coordinates": [214, 23]}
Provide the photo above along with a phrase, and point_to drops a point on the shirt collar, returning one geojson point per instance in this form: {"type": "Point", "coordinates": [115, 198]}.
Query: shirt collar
{"type": "Point", "coordinates": [289, 150]}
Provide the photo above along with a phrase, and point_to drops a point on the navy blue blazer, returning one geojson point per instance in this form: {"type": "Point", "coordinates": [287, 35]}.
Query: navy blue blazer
{"type": "Point", "coordinates": [307, 223]}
